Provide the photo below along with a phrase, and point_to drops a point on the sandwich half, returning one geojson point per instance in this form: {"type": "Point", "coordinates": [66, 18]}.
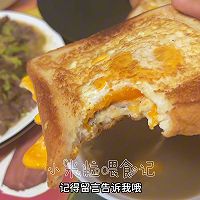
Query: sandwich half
{"type": "Point", "coordinates": [146, 67]}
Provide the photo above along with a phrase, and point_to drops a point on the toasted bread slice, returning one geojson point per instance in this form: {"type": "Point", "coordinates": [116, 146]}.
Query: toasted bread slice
{"type": "Point", "coordinates": [147, 66]}
{"type": "Point", "coordinates": [146, 5]}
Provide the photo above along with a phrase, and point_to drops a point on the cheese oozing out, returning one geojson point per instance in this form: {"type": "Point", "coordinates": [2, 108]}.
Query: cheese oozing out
{"type": "Point", "coordinates": [36, 156]}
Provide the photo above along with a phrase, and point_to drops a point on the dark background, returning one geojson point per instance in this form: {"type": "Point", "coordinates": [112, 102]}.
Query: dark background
{"type": "Point", "coordinates": [76, 19]}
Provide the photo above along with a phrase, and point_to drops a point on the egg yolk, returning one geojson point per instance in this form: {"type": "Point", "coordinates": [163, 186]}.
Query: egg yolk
{"type": "Point", "coordinates": [37, 119]}
{"type": "Point", "coordinates": [27, 84]}
{"type": "Point", "coordinates": [100, 83]}
{"type": "Point", "coordinates": [36, 156]}
{"type": "Point", "coordinates": [169, 56]}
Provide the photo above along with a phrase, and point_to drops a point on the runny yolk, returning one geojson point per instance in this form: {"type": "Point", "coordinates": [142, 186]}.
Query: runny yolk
{"type": "Point", "coordinates": [27, 84]}
{"type": "Point", "coordinates": [36, 156]}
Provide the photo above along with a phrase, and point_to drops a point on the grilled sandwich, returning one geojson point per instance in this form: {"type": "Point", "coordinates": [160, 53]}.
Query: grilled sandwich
{"type": "Point", "coordinates": [146, 67]}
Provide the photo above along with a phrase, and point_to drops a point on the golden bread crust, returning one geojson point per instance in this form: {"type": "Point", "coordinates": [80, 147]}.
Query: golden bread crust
{"type": "Point", "coordinates": [186, 103]}
{"type": "Point", "coordinates": [186, 93]}
{"type": "Point", "coordinates": [186, 119]}
{"type": "Point", "coordinates": [50, 125]}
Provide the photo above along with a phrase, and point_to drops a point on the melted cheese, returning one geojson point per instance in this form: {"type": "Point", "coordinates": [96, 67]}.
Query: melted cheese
{"type": "Point", "coordinates": [27, 84]}
{"type": "Point", "coordinates": [36, 156]}
{"type": "Point", "coordinates": [37, 119]}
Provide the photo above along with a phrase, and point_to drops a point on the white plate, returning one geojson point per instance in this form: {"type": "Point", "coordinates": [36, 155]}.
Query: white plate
{"type": "Point", "coordinates": [28, 193]}
{"type": "Point", "coordinates": [53, 41]}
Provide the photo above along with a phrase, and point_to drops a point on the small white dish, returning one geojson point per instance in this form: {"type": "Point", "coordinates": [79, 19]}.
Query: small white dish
{"type": "Point", "coordinates": [53, 41]}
